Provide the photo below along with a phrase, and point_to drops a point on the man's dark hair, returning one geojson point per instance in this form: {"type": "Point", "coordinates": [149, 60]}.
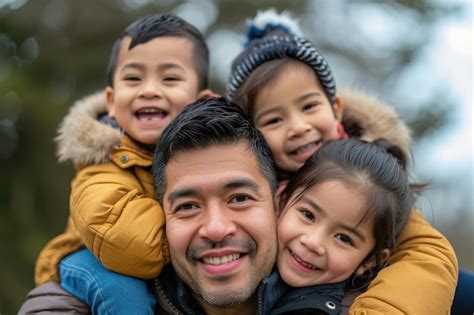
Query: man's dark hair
{"type": "Point", "coordinates": [206, 122]}
{"type": "Point", "coordinates": [153, 26]}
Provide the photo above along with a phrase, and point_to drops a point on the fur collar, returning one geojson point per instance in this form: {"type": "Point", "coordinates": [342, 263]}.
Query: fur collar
{"type": "Point", "coordinates": [82, 138]}
{"type": "Point", "coordinates": [367, 118]}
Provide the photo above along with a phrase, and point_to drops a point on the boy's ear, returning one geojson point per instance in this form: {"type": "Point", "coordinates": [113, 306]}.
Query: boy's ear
{"type": "Point", "coordinates": [207, 93]}
{"type": "Point", "coordinates": [109, 100]}
{"type": "Point", "coordinates": [338, 108]}
{"type": "Point", "coordinates": [371, 262]}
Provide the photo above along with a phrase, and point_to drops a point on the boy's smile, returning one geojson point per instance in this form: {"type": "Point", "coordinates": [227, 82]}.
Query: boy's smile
{"type": "Point", "coordinates": [153, 82]}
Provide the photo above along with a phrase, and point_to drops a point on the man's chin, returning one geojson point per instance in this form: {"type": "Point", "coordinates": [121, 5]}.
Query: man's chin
{"type": "Point", "coordinates": [226, 298]}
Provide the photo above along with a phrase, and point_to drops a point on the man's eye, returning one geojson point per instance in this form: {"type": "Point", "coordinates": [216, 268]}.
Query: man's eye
{"type": "Point", "coordinates": [186, 206]}
{"type": "Point", "coordinates": [240, 198]}
{"type": "Point", "coordinates": [345, 239]}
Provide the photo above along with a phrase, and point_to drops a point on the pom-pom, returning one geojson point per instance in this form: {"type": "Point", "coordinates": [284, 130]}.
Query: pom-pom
{"type": "Point", "coordinates": [269, 20]}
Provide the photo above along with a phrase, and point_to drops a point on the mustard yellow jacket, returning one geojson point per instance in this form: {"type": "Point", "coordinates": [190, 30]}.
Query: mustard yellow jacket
{"type": "Point", "coordinates": [112, 205]}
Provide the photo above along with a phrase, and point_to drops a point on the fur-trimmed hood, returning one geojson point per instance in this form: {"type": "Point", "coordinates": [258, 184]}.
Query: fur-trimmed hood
{"type": "Point", "coordinates": [368, 118]}
{"type": "Point", "coordinates": [83, 139]}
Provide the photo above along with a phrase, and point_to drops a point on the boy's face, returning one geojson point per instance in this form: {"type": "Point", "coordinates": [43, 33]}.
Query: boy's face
{"type": "Point", "coordinates": [153, 82]}
{"type": "Point", "coordinates": [295, 116]}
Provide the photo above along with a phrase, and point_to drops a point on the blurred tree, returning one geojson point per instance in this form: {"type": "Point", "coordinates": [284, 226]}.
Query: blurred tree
{"type": "Point", "coordinates": [55, 51]}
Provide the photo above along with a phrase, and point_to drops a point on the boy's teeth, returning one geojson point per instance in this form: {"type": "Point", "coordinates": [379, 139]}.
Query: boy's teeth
{"type": "Point", "coordinates": [150, 111]}
{"type": "Point", "coordinates": [221, 260]}
{"type": "Point", "coordinates": [150, 114]}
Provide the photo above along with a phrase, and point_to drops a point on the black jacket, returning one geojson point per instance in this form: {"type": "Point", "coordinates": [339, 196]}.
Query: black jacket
{"type": "Point", "coordinates": [273, 295]}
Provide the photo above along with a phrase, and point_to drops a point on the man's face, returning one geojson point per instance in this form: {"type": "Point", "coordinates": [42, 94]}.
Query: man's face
{"type": "Point", "coordinates": [220, 222]}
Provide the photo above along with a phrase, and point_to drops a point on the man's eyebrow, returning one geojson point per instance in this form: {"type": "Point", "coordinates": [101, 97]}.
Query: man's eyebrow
{"type": "Point", "coordinates": [231, 184]}
{"type": "Point", "coordinates": [353, 230]}
{"type": "Point", "coordinates": [241, 183]}
{"type": "Point", "coordinates": [181, 193]}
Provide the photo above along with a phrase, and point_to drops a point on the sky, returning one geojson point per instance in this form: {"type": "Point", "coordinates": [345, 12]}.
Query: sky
{"type": "Point", "coordinates": [448, 156]}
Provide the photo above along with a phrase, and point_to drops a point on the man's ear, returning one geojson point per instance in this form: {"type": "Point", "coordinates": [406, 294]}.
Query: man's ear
{"type": "Point", "coordinates": [109, 100]}
{"type": "Point", "coordinates": [281, 187]}
{"type": "Point", "coordinates": [371, 262]}
{"type": "Point", "coordinates": [207, 93]}
{"type": "Point", "coordinates": [338, 108]}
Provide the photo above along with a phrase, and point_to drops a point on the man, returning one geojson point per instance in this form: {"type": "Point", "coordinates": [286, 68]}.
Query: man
{"type": "Point", "coordinates": [215, 178]}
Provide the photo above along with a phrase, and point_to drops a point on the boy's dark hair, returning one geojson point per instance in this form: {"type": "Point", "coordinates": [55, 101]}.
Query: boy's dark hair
{"type": "Point", "coordinates": [153, 26]}
{"type": "Point", "coordinates": [377, 169]}
{"type": "Point", "coordinates": [206, 122]}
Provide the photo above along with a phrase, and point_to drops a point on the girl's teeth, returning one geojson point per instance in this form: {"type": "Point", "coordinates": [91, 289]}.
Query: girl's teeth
{"type": "Point", "coordinates": [305, 264]}
{"type": "Point", "coordinates": [305, 148]}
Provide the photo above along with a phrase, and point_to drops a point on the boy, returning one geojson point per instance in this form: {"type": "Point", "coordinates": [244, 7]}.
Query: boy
{"type": "Point", "coordinates": [157, 66]}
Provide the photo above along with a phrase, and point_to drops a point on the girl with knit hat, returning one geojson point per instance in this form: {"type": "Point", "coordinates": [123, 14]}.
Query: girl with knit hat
{"type": "Point", "coordinates": [287, 89]}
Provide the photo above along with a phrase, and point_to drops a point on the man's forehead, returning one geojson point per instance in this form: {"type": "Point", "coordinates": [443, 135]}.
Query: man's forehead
{"type": "Point", "coordinates": [216, 164]}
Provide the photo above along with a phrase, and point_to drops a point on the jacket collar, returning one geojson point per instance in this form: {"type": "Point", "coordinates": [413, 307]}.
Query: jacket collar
{"type": "Point", "coordinates": [82, 138]}
{"type": "Point", "coordinates": [276, 297]}
{"type": "Point", "coordinates": [368, 118]}
{"type": "Point", "coordinates": [273, 295]}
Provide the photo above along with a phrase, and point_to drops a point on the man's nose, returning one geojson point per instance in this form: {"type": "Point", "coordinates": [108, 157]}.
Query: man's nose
{"type": "Point", "coordinates": [218, 223]}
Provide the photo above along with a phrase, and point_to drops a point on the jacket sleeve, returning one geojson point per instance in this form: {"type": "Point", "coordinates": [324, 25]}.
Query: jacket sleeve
{"type": "Point", "coordinates": [420, 278]}
{"type": "Point", "coordinates": [51, 298]}
{"type": "Point", "coordinates": [117, 221]}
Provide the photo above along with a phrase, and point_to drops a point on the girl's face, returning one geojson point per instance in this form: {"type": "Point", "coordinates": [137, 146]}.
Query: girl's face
{"type": "Point", "coordinates": [320, 239]}
{"type": "Point", "coordinates": [295, 116]}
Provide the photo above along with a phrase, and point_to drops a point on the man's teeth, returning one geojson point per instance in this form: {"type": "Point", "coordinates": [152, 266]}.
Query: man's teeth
{"type": "Point", "coordinates": [305, 264]}
{"type": "Point", "coordinates": [221, 260]}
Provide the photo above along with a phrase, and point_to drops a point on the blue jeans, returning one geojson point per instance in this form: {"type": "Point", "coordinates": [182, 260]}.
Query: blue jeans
{"type": "Point", "coordinates": [105, 291]}
{"type": "Point", "coordinates": [463, 299]}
